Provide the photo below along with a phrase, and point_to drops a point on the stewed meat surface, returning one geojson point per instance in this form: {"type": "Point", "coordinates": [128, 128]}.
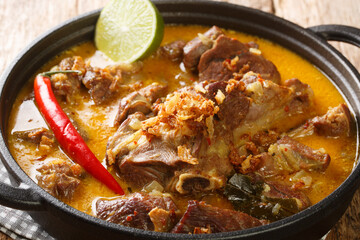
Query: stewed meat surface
{"type": "Point", "coordinates": [102, 83]}
{"type": "Point", "coordinates": [139, 210]}
{"type": "Point", "coordinates": [273, 103]}
{"type": "Point", "coordinates": [231, 99]}
{"type": "Point", "coordinates": [139, 101]}
{"type": "Point", "coordinates": [203, 218]}
{"type": "Point", "coordinates": [67, 84]}
{"type": "Point", "coordinates": [174, 51]}
{"type": "Point", "coordinates": [60, 178]}
{"type": "Point", "coordinates": [42, 137]}
{"type": "Point", "coordinates": [289, 156]}
{"type": "Point", "coordinates": [335, 123]}
{"type": "Point", "coordinates": [196, 47]}
{"type": "Point", "coordinates": [150, 160]}
{"type": "Point", "coordinates": [229, 56]}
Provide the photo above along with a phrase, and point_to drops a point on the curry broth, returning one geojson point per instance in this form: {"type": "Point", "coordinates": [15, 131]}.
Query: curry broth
{"type": "Point", "coordinates": [97, 121]}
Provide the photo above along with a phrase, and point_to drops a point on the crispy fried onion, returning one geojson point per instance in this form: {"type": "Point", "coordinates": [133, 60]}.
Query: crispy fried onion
{"type": "Point", "coordinates": [184, 113]}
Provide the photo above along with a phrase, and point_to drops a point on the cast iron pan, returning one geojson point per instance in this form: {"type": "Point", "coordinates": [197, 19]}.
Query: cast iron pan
{"type": "Point", "coordinates": [64, 222]}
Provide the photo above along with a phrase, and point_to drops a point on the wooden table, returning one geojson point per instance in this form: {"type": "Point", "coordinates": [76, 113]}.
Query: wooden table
{"type": "Point", "coordinates": [23, 20]}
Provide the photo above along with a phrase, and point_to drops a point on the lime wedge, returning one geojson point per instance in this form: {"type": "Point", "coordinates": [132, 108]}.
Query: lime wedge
{"type": "Point", "coordinates": [128, 30]}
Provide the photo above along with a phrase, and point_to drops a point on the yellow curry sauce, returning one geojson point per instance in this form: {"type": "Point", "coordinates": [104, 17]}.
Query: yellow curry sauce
{"type": "Point", "coordinates": [97, 120]}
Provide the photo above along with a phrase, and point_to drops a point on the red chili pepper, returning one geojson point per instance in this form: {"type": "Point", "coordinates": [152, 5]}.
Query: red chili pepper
{"type": "Point", "coordinates": [66, 134]}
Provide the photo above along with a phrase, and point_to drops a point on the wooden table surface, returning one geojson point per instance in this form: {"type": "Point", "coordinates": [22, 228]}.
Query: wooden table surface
{"type": "Point", "coordinates": [23, 20]}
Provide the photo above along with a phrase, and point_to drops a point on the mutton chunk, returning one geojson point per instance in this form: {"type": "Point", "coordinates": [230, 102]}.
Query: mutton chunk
{"type": "Point", "coordinates": [196, 47]}
{"type": "Point", "coordinates": [271, 104]}
{"type": "Point", "coordinates": [73, 63]}
{"type": "Point", "coordinates": [164, 148]}
{"type": "Point", "coordinates": [289, 156]}
{"type": "Point", "coordinates": [185, 119]}
{"type": "Point", "coordinates": [139, 101]}
{"type": "Point", "coordinates": [292, 156]}
{"type": "Point", "coordinates": [173, 51]}
{"type": "Point", "coordinates": [140, 160]}
{"type": "Point", "coordinates": [300, 156]}
{"type": "Point", "coordinates": [40, 136]}
{"type": "Point", "coordinates": [60, 179]}
{"type": "Point", "coordinates": [122, 142]}
{"type": "Point", "coordinates": [139, 210]}
{"type": "Point", "coordinates": [233, 103]}
{"type": "Point", "coordinates": [336, 122]}
{"type": "Point", "coordinates": [153, 160]}
{"type": "Point", "coordinates": [228, 56]}
{"type": "Point", "coordinates": [66, 84]}
{"type": "Point", "coordinates": [102, 83]}
{"type": "Point", "coordinates": [203, 218]}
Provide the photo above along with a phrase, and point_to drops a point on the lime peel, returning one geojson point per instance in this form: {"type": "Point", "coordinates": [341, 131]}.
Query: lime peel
{"type": "Point", "coordinates": [127, 31]}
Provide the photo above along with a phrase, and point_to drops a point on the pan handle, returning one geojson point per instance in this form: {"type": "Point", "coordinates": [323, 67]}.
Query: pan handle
{"type": "Point", "coordinates": [338, 33]}
{"type": "Point", "coordinates": [21, 197]}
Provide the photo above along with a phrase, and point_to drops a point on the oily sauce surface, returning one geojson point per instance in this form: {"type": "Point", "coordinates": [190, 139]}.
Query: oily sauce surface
{"type": "Point", "coordinates": [97, 120]}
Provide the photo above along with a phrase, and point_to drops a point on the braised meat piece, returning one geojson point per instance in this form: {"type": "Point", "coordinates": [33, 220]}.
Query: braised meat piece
{"type": "Point", "coordinates": [271, 104]}
{"type": "Point", "coordinates": [287, 156]}
{"type": "Point", "coordinates": [186, 120]}
{"type": "Point", "coordinates": [150, 160]}
{"type": "Point", "coordinates": [139, 210]}
{"type": "Point", "coordinates": [229, 56]}
{"type": "Point", "coordinates": [173, 51]}
{"type": "Point", "coordinates": [211, 66]}
{"type": "Point", "coordinates": [40, 136]}
{"type": "Point", "coordinates": [300, 156]}
{"type": "Point", "coordinates": [140, 159]}
{"type": "Point", "coordinates": [132, 103]}
{"type": "Point", "coordinates": [153, 92]}
{"type": "Point", "coordinates": [196, 47]}
{"type": "Point", "coordinates": [232, 102]}
{"type": "Point", "coordinates": [336, 122]}
{"type": "Point", "coordinates": [60, 178]}
{"type": "Point", "coordinates": [73, 63]}
{"type": "Point", "coordinates": [102, 83]}
{"type": "Point", "coordinates": [139, 101]}
{"type": "Point", "coordinates": [167, 147]}
{"type": "Point", "coordinates": [123, 141]}
{"type": "Point", "coordinates": [203, 218]}
{"type": "Point", "coordinates": [66, 84]}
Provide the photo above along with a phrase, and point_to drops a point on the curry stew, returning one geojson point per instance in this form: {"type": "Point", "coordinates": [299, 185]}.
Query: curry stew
{"type": "Point", "coordinates": [217, 131]}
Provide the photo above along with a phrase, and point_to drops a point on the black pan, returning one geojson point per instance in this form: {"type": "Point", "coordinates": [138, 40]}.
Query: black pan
{"type": "Point", "coordinates": [64, 222]}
